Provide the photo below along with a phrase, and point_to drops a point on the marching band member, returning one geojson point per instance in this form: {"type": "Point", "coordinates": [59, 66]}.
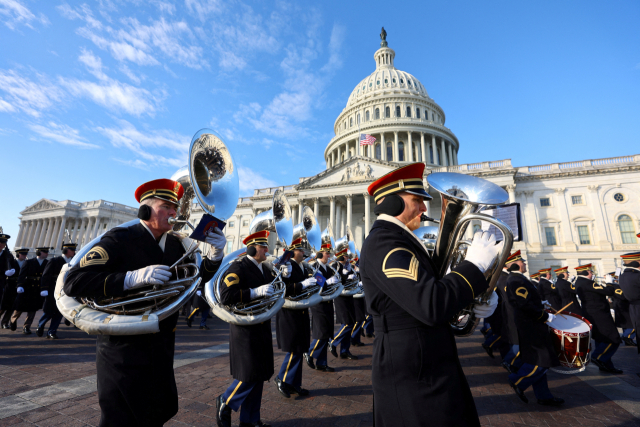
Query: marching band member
{"type": "Point", "coordinates": [621, 308]}
{"type": "Point", "coordinates": [11, 284]}
{"type": "Point", "coordinates": [292, 326]}
{"type": "Point", "coordinates": [536, 348]}
{"type": "Point", "coordinates": [322, 317]}
{"type": "Point", "coordinates": [48, 286]}
{"type": "Point", "coordinates": [360, 312]}
{"type": "Point", "coordinates": [28, 289]}
{"type": "Point", "coordinates": [630, 285]}
{"type": "Point", "coordinates": [250, 347]}
{"type": "Point", "coordinates": [7, 269]}
{"type": "Point", "coordinates": [511, 360]}
{"type": "Point", "coordinates": [595, 308]}
{"type": "Point", "coordinates": [496, 336]}
{"type": "Point", "coordinates": [567, 291]}
{"type": "Point", "coordinates": [136, 384]}
{"type": "Point", "coordinates": [416, 375]}
{"type": "Point", "coordinates": [345, 311]}
{"type": "Point", "coordinates": [201, 306]}
{"type": "Point", "coordinates": [548, 291]}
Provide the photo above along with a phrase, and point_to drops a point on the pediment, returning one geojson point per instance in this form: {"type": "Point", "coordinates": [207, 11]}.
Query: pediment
{"type": "Point", "coordinates": [42, 205]}
{"type": "Point", "coordinates": [354, 170]}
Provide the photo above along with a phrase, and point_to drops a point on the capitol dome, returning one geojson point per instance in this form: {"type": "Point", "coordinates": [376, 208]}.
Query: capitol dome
{"type": "Point", "coordinates": [394, 107]}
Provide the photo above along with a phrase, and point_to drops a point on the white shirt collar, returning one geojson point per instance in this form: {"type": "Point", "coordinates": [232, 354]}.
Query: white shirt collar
{"type": "Point", "coordinates": [163, 239]}
{"type": "Point", "coordinates": [66, 260]}
{"type": "Point", "coordinates": [399, 223]}
{"type": "Point", "coordinates": [40, 261]}
{"type": "Point", "coordinates": [258, 264]}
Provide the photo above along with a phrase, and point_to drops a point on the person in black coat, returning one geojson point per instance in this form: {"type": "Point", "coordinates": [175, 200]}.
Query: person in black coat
{"type": "Point", "coordinates": [621, 308]}
{"type": "Point", "coordinates": [535, 279]}
{"type": "Point", "coordinates": [292, 326]}
{"type": "Point", "coordinates": [360, 309]}
{"type": "Point", "coordinates": [28, 290]}
{"type": "Point", "coordinates": [548, 291]}
{"type": "Point", "coordinates": [136, 383]}
{"type": "Point", "coordinates": [345, 311]}
{"type": "Point", "coordinates": [416, 375]}
{"type": "Point", "coordinates": [6, 261]}
{"type": "Point", "coordinates": [596, 309]}
{"type": "Point", "coordinates": [496, 338]}
{"type": "Point", "coordinates": [322, 317]}
{"type": "Point", "coordinates": [567, 291]}
{"type": "Point", "coordinates": [201, 306]}
{"type": "Point", "coordinates": [48, 286]}
{"type": "Point", "coordinates": [11, 284]}
{"type": "Point", "coordinates": [250, 347]}
{"type": "Point", "coordinates": [536, 349]}
{"type": "Point", "coordinates": [630, 285]}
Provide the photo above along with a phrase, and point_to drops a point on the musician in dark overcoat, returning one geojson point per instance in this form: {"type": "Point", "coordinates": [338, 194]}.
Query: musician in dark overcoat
{"type": "Point", "coordinates": [293, 330]}
{"type": "Point", "coordinates": [28, 290]}
{"type": "Point", "coordinates": [621, 309]}
{"type": "Point", "coordinates": [416, 375]}
{"type": "Point", "coordinates": [6, 262]}
{"type": "Point", "coordinates": [251, 346]}
{"type": "Point", "coordinates": [495, 337]}
{"type": "Point", "coordinates": [548, 289]}
{"type": "Point", "coordinates": [345, 310]}
{"type": "Point", "coordinates": [200, 305]}
{"type": "Point", "coordinates": [136, 384]}
{"type": "Point", "coordinates": [47, 288]}
{"type": "Point", "coordinates": [567, 291]}
{"type": "Point", "coordinates": [322, 317]}
{"type": "Point", "coordinates": [536, 348]}
{"type": "Point", "coordinates": [596, 309]}
{"type": "Point", "coordinates": [11, 284]}
{"type": "Point", "coordinates": [630, 285]}
{"type": "Point", "coordinates": [535, 279]}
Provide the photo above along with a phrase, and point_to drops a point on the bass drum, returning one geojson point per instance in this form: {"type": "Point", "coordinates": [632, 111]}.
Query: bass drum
{"type": "Point", "coordinates": [571, 337]}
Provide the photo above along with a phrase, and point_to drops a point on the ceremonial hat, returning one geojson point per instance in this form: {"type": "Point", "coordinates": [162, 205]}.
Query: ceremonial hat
{"type": "Point", "coordinates": [405, 179]}
{"type": "Point", "coordinates": [534, 276]}
{"type": "Point", "coordinates": [583, 267]}
{"type": "Point", "coordinates": [296, 244]}
{"type": "Point", "coordinates": [630, 257]}
{"type": "Point", "coordinates": [45, 249]}
{"type": "Point", "coordinates": [513, 257]}
{"type": "Point", "coordinates": [3, 237]}
{"type": "Point", "coordinates": [326, 247]}
{"type": "Point", "coordinates": [342, 252]}
{"type": "Point", "coordinates": [258, 238]}
{"type": "Point", "coordinates": [69, 245]}
{"type": "Point", "coordinates": [544, 271]}
{"type": "Point", "coordinates": [165, 189]}
{"type": "Point", "coordinates": [561, 270]}
{"type": "Point", "coordinates": [613, 274]}
{"type": "Point", "coordinates": [23, 251]}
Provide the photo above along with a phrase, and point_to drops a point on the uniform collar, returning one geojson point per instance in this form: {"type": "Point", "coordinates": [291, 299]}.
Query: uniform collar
{"type": "Point", "coordinates": [256, 263]}
{"type": "Point", "coordinates": [631, 268]}
{"type": "Point", "coordinates": [393, 220]}
{"type": "Point", "coordinates": [163, 238]}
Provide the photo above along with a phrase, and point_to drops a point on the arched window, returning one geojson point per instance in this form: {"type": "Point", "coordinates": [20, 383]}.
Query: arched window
{"type": "Point", "coordinates": [401, 151]}
{"type": "Point", "coordinates": [377, 113]}
{"type": "Point", "coordinates": [387, 112]}
{"type": "Point", "coordinates": [351, 122]}
{"type": "Point", "coordinates": [389, 152]}
{"type": "Point", "coordinates": [358, 118]}
{"type": "Point", "coordinates": [627, 231]}
{"type": "Point", "coordinates": [398, 111]}
{"type": "Point", "coordinates": [366, 116]}
{"type": "Point", "coordinates": [417, 113]}
{"type": "Point", "coordinates": [408, 111]}
{"type": "Point", "coordinates": [378, 152]}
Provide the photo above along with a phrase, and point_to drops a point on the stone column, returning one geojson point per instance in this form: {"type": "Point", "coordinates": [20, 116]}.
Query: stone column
{"type": "Point", "coordinates": [24, 232]}
{"type": "Point", "coordinates": [44, 233]}
{"type": "Point", "coordinates": [238, 243]}
{"type": "Point", "coordinates": [433, 148]}
{"type": "Point", "coordinates": [61, 232]}
{"type": "Point", "coordinates": [36, 236]}
{"type": "Point", "coordinates": [367, 209]}
{"type": "Point", "coordinates": [316, 207]}
{"type": "Point", "coordinates": [338, 231]}
{"type": "Point", "coordinates": [87, 233]}
{"type": "Point", "coordinates": [300, 209]}
{"type": "Point", "coordinates": [511, 189]}
{"type": "Point", "coordinates": [450, 157]}
{"type": "Point", "coordinates": [349, 211]}
{"type": "Point", "coordinates": [605, 239]}
{"type": "Point", "coordinates": [332, 213]}
{"type": "Point", "coordinates": [532, 223]}
{"type": "Point", "coordinates": [395, 147]}
{"type": "Point", "coordinates": [76, 228]}
{"type": "Point", "coordinates": [372, 151]}
{"type": "Point", "coordinates": [425, 156]}
{"type": "Point", "coordinates": [410, 146]}
{"type": "Point", "coordinates": [20, 233]}
{"type": "Point", "coordinates": [96, 229]}
{"type": "Point", "coordinates": [455, 157]}
{"type": "Point", "coordinates": [567, 228]}
{"type": "Point", "coordinates": [27, 234]}
{"type": "Point", "coordinates": [54, 233]}
{"type": "Point", "coordinates": [383, 147]}
{"type": "Point", "coordinates": [443, 154]}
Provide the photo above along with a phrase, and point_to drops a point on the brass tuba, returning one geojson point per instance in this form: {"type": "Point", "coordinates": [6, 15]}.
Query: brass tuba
{"type": "Point", "coordinates": [277, 219]}
{"type": "Point", "coordinates": [330, 292]}
{"type": "Point", "coordinates": [347, 242]}
{"type": "Point", "coordinates": [428, 235]}
{"type": "Point", "coordinates": [140, 310]}
{"type": "Point", "coordinates": [463, 197]}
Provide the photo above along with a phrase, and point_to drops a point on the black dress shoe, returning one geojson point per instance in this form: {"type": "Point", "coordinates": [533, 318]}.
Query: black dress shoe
{"type": "Point", "coordinates": [483, 332]}
{"type": "Point", "coordinates": [333, 350]}
{"type": "Point", "coordinates": [205, 327]}
{"type": "Point", "coordinates": [67, 322]}
{"type": "Point", "coordinates": [5, 326]}
{"type": "Point", "coordinates": [554, 401]}
{"type": "Point", "coordinates": [369, 335]}
{"type": "Point", "coordinates": [14, 326]}
{"type": "Point", "coordinates": [189, 321]}
{"type": "Point", "coordinates": [223, 413]}
{"type": "Point", "coordinates": [52, 335]}
{"type": "Point", "coordinates": [610, 369]}
{"type": "Point", "coordinates": [629, 342]}
{"type": "Point", "coordinates": [283, 388]}
{"type": "Point", "coordinates": [519, 392]}
{"type": "Point", "coordinates": [40, 331]}
{"type": "Point", "coordinates": [258, 424]}
{"type": "Point", "coordinates": [26, 330]}
{"type": "Point", "coordinates": [325, 368]}
{"type": "Point", "coordinates": [348, 355]}
{"type": "Point", "coordinates": [507, 366]}
{"type": "Point", "coordinates": [299, 390]}
{"type": "Point", "coordinates": [357, 344]}
{"type": "Point", "coordinates": [489, 351]}
{"type": "Point", "coordinates": [309, 360]}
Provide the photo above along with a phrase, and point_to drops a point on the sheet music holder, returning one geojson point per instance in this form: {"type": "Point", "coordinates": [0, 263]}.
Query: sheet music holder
{"type": "Point", "coordinates": [511, 215]}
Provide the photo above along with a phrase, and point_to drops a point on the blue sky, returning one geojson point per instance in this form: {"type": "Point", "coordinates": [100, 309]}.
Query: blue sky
{"type": "Point", "coordinates": [98, 97]}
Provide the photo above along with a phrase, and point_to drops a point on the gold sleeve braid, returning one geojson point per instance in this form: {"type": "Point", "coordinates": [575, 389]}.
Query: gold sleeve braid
{"type": "Point", "coordinates": [465, 279]}
{"type": "Point", "coordinates": [105, 285]}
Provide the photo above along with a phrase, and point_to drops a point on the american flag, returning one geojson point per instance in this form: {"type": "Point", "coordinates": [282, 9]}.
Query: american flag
{"type": "Point", "coordinates": [366, 139]}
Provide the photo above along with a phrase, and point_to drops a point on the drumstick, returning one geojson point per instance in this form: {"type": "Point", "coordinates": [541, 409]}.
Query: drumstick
{"type": "Point", "coordinates": [562, 309]}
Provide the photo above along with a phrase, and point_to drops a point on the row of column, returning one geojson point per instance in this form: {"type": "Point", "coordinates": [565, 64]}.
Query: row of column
{"type": "Point", "coordinates": [50, 232]}
{"type": "Point", "coordinates": [448, 155]}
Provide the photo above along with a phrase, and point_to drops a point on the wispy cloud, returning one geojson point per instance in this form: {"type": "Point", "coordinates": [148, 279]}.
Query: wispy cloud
{"type": "Point", "coordinates": [137, 163]}
{"type": "Point", "coordinates": [15, 13]}
{"type": "Point", "coordinates": [250, 179]}
{"type": "Point", "coordinates": [27, 95]}
{"type": "Point", "coordinates": [62, 134]}
{"type": "Point", "coordinates": [93, 63]}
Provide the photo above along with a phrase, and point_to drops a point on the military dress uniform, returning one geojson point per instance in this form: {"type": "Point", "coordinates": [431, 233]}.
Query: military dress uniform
{"type": "Point", "coordinates": [536, 349]}
{"type": "Point", "coordinates": [9, 283]}
{"type": "Point", "coordinates": [622, 318]}
{"type": "Point", "coordinates": [416, 375]}
{"type": "Point", "coordinates": [496, 338]}
{"type": "Point", "coordinates": [201, 306]}
{"type": "Point", "coordinates": [136, 383]}
{"type": "Point", "coordinates": [630, 285]}
{"type": "Point", "coordinates": [568, 292]}
{"type": "Point", "coordinates": [548, 291]}
{"type": "Point", "coordinates": [29, 300]}
{"type": "Point", "coordinates": [48, 283]}
{"type": "Point", "coordinates": [535, 279]}
{"type": "Point", "coordinates": [345, 313]}
{"type": "Point", "coordinates": [250, 347]}
{"type": "Point", "coordinates": [596, 309]}
{"type": "Point", "coordinates": [360, 308]}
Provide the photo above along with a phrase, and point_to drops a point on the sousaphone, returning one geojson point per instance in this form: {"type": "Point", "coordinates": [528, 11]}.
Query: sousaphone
{"type": "Point", "coordinates": [347, 242]}
{"type": "Point", "coordinates": [330, 292]}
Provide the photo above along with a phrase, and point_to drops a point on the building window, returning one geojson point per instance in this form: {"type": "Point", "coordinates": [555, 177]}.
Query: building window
{"type": "Point", "coordinates": [401, 151]}
{"type": "Point", "coordinates": [245, 223]}
{"type": "Point", "coordinates": [389, 152]}
{"type": "Point", "coordinates": [627, 231]}
{"type": "Point", "coordinates": [401, 81]}
{"type": "Point", "coordinates": [387, 112]}
{"type": "Point", "coordinates": [550, 232]}
{"type": "Point", "coordinates": [386, 81]}
{"type": "Point", "coordinates": [378, 152]}
{"type": "Point", "coordinates": [394, 80]}
{"type": "Point", "coordinates": [417, 113]}
{"type": "Point", "coordinates": [366, 116]}
{"type": "Point", "coordinates": [398, 111]}
{"type": "Point", "coordinates": [232, 224]}
{"type": "Point", "coordinates": [351, 122]}
{"type": "Point", "coordinates": [229, 248]}
{"type": "Point", "coordinates": [583, 234]}
{"type": "Point", "coordinates": [576, 200]}
{"type": "Point", "coordinates": [378, 82]}
{"type": "Point", "coordinates": [377, 113]}
{"type": "Point", "coordinates": [408, 111]}
{"type": "Point", "coordinates": [545, 202]}
{"type": "Point", "coordinates": [618, 197]}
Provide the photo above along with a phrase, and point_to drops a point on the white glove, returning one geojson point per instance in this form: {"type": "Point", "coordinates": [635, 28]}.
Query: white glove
{"type": "Point", "coordinates": [546, 304]}
{"type": "Point", "coordinates": [308, 282]}
{"type": "Point", "coordinates": [152, 275]}
{"type": "Point", "coordinates": [262, 291]}
{"type": "Point", "coordinates": [482, 311]}
{"type": "Point", "coordinates": [10, 273]}
{"type": "Point", "coordinates": [351, 276]}
{"type": "Point", "coordinates": [345, 271]}
{"type": "Point", "coordinates": [199, 293]}
{"type": "Point", "coordinates": [217, 241]}
{"type": "Point", "coordinates": [286, 270]}
{"type": "Point", "coordinates": [572, 278]}
{"type": "Point", "coordinates": [608, 278]}
{"type": "Point", "coordinates": [20, 289]}
{"type": "Point", "coordinates": [483, 250]}
{"type": "Point", "coordinates": [333, 280]}
{"type": "Point", "coordinates": [551, 317]}
{"type": "Point", "coordinates": [44, 293]}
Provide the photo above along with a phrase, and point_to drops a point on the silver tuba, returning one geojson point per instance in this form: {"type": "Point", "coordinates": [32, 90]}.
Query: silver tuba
{"type": "Point", "coordinates": [463, 197]}
{"type": "Point", "coordinates": [347, 242]}
{"type": "Point", "coordinates": [428, 235]}
{"type": "Point", "coordinates": [140, 310]}
{"type": "Point", "coordinates": [330, 292]}
{"type": "Point", "coordinates": [277, 219]}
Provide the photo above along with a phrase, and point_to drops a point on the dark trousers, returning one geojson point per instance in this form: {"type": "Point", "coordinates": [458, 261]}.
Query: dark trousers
{"type": "Point", "coordinates": [367, 325]}
{"type": "Point", "coordinates": [513, 358]}
{"type": "Point", "coordinates": [318, 351]}
{"type": "Point", "coordinates": [603, 352]}
{"type": "Point", "coordinates": [291, 369]}
{"type": "Point", "coordinates": [55, 321]}
{"type": "Point", "coordinates": [343, 338]}
{"type": "Point", "coordinates": [6, 316]}
{"type": "Point", "coordinates": [247, 397]}
{"type": "Point", "coordinates": [204, 315]}
{"type": "Point", "coordinates": [535, 376]}
{"type": "Point", "coordinates": [28, 321]}
{"type": "Point", "coordinates": [355, 332]}
{"type": "Point", "coordinates": [629, 333]}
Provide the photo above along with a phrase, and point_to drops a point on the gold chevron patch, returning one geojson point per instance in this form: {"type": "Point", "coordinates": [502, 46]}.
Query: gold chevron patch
{"type": "Point", "coordinates": [231, 279]}
{"type": "Point", "coordinates": [595, 286]}
{"type": "Point", "coordinates": [619, 291]}
{"type": "Point", "coordinates": [403, 273]}
{"type": "Point", "coordinates": [96, 256]}
{"type": "Point", "coordinates": [522, 292]}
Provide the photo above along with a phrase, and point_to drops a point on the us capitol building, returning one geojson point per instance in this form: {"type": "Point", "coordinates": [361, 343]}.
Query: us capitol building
{"type": "Point", "coordinates": [573, 213]}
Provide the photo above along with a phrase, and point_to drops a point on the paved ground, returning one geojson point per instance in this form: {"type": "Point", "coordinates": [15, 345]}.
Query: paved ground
{"type": "Point", "coordinates": [47, 383]}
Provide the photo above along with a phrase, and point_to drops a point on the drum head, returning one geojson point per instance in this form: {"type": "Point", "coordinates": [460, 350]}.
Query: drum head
{"type": "Point", "coordinates": [569, 324]}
